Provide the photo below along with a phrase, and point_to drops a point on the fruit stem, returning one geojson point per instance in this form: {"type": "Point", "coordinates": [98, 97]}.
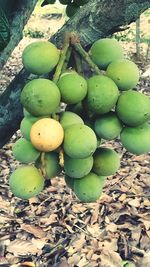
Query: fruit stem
{"type": "Point", "coordinates": [78, 62]}
{"type": "Point", "coordinates": [68, 55]}
{"type": "Point", "coordinates": [61, 158]}
{"type": "Point", "coordinates": [43, 170]}
{"type": "Point", "coordinates": [76, 43]}
{"type": "Point", "coordinates": [62, 58]}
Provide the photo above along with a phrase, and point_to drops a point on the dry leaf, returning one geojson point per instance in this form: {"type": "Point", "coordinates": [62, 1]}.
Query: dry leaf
{"type": "Point", "coordinates": [111, 259]}
{"type": "Point", "coordinates": [35, 230]}
{"type": "Point", "coordinates": [22, 247]}
{"type": "Point", "coordinates": [134, 202]}
{"type": "Point", "coordinates": [51, 219]}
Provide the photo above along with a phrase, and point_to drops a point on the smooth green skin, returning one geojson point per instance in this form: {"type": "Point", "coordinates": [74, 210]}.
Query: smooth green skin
{"type": "Point", "coordinates": [77, 168]}
{"type": "Point", "coordinates": [40, 57]}
{"type": "Point", "coordinates": [69, 182]}
{"type": "Point", "coordinates": [71, 9]}
{"type": "Point", "coordinates": [89, 188]}
{"type": "Point", "coordinates": [24, 151]}
{"type": "Point", "coordinates": [136, 139]}
{"type": "Point", "coordinates": [26, 182]}
{"type": "Point", "coordinates": [128, 264]}
{"type": "Point", "coordinates": [106, 161]}
{"type": "Point", "coordinates": [47, 2]}
{"type": "Point", "coordinates": [79, 141]}
{"type": "Point", "coordinates": [124, 73]}
{"type": "Point", "coordinates": [73, 88]}
{"type": "Point", "coordinates": [51, 164]}
{"type": "Point", "coordinates": [65, 2]}
{"type": "Point", "coordinates": [104, 51]}
{"type": "Point", "coordinates": [133, 108]}
{"type": "Point", "coordinates": [69, 118]}
{"type": "Point", "coordinates": [26, 113]}
{"type": "Point", "coordinates": [102, 94]}
{"type": "Point", "coordinates": [80, 2]}
{"type": "Point", "coordinates": [108, 126]}
{"type": "Point", "coordinates": [76, 108]}
{"type": "Point", "coordinates": [40, 97]}
{"type": "Point", "coordinates": [26, 125]}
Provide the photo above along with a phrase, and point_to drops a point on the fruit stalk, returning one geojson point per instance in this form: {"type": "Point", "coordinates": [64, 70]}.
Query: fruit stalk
{"type": "Point", "coordinates": [62, 58]}
{"type": "Point", "coordinates": [76, 43]}
{"type": "Point", "coordinates": [68, 55]}
{"type": "Point", "coordinates": [78, 62]}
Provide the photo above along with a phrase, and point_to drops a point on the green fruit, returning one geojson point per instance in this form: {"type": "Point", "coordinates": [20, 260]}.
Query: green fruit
{"type": "Point", "coordinates": [40, 57]}
{"type": "Point", "coordinates": [128, 264]}
{"type": "Point", "coordinates": [73, 88]}
{"type": "Point", "coordinates": [24, 152]}
{"type": "Point", "coordinates": [108, 126]}
{"type": "Point", "coordinates": [124, 73]}
{"type": "Point", "coordinates": [76, 108]}
{"type": "Point", "coordinates": [102, 94]}
{"type": "Point", "coordinates": [89, 188]}
{"type": "Point", "coordinates": [133, 108]}
{"type": "Point", "coordinates": [50, 164]}
{"type": "Point", "coordinates": [65, 2]}
{"type": "Point", "coordinates": [81, 2]}
{"type": "Point", "coordinates": [106, 161]}
{"type": "Point", "coordinates": [79, 141]}
{"type": "Point", "coordinates": [104, 51]}
{"type": "Point", "coordinates": [48, 2]}
{"type": "Point", "coordinates": [69, 118]}
{"type": "Point", "coordinates": [26, 125]}
{"type": "Point", "coordinates": [77, 168]}
{"type": "Point", "coordinates": [136, 139]}
{"type": "Point", "coordinates": [71, 9]}
{"type": "Point", "coordinates": [26, 113]}
{"type": "Point", "coordinates": [69, 182]}
{"type": "Point", "coordinates": [40, 97]}
{"type": "Point", "coordinates": [26, 182]}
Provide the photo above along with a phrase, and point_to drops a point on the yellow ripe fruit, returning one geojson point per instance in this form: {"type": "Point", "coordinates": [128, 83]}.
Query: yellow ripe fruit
{"type": "Point", "coordinates": [46, 134]}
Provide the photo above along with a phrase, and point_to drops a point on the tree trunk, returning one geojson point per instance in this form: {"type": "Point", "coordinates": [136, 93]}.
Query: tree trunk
{"type": "Point", "coordinates": [18, 20]}
{"type": "Point", "coordinates": [99, 18]}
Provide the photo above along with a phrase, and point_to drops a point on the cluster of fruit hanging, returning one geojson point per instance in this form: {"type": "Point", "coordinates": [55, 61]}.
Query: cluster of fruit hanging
{"type": "Point", "coordinates": [104, 106]}
{"type": "Point", "coordinates": [71, 6]}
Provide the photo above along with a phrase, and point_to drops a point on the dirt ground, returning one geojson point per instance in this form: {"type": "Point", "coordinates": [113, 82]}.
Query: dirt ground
{"type": "Point", "coordinates": [54, 228]}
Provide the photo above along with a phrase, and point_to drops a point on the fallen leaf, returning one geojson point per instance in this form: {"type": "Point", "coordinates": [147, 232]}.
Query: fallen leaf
{"type": "Point", "coordinates": [51, 219]}
{"type": "Point", "coordinates": [35, 230]}
{"type": "Point", "coordinates": [22, 247]}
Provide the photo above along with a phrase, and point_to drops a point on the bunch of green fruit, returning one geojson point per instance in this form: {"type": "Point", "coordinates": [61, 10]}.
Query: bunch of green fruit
{"type": "Point", "coordinates": [72, 6]}
{"type": "Point", "coordinates": [104, 106]}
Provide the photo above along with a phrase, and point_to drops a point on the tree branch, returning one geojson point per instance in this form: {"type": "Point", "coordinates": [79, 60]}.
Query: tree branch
{"type": "Point", "coordinates": [18, 21]}
{"type": "Point", "coordinates": [98, 19]}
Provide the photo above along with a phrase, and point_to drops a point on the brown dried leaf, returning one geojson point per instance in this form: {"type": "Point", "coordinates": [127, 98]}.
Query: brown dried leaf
{"type": "Point", "coordinates": [79, 242]}
{"type": "Point", "coordinates": [22, 247]}
{"type": "Point", "coordinates": [111, 259]}
{"type": "Point", "coordinates": [51, 219]}
{"type": "Point", "coordinates": [35, 230]}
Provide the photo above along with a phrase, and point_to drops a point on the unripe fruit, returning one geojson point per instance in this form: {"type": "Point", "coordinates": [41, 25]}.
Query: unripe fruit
{"type": "Point", "coordinates": [71, 9]}
{"type": "Point", "coordinates": [69, 118]}
{"type": "Point", "coordinates": [104, 51]}
{"type": "Point", "coordinates": [133, 108]}
{"type": "Point", "coordinates": [26, 182]}
{"type": "Point", "coordinates": [50, 165]}
{"type": "Point", "coordinates": [26, 125]}
{"type": "Point", "coordinates": [65, 2]}
{"type": "Point", "coordinates": [124, 73]}
{"type": "Point", "coordinates": [79, 141]}
{"type": "Point", "coordinates": [106, 161]}
{"type": "Point", "coordinates": [81, 2]}
{"type": "Point", "coordinates": [46, 134]}
{"type": "Point", "coordinates": [40, 97]}
{"type": "Point", "coordinates": [77, 168]}
{"type": "Point", "coordinates": [73, 87]}
{"type": "Point", "coordinates": [89, 188]}
{"type": "Point", "coordinates": [69, 181]}
{"type": "Point", "coordinates": [108, 126]}
{"type": "Point", "coordinates": [102, 94]}
{"type": "Point", "coordinates": [40, 57]}
{"type": "Point", "coordinates": [136, 139]}
{"type": "Point", "coordinates": [24, 151]}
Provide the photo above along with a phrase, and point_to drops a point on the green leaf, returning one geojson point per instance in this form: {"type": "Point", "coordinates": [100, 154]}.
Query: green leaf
{"type": "Point", "coordinates": [4, 30]}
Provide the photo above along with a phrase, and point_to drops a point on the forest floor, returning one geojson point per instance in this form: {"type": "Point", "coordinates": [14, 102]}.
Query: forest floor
{"type": "Point", "coordinates": [54, 228]}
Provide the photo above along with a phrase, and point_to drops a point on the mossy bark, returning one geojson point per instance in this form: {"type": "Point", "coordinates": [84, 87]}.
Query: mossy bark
{"type": "Point", "coordinates": [98, 19]}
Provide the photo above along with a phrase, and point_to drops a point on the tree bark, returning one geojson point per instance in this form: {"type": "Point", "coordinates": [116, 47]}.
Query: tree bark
{"type": "Point", "coordinates": [19, 19]}
{"type": "Point", "coordinates": [98, 19]}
